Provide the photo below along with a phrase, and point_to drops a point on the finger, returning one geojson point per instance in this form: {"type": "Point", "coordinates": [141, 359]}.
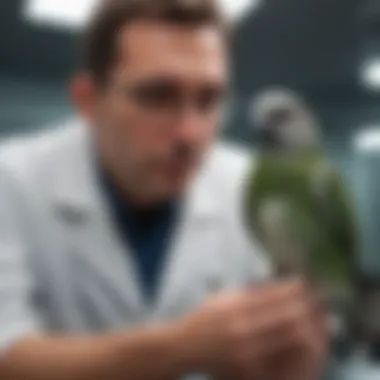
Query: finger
{"type": "Point", "coordinates": [277, 340]}
{"type": "Point", "coordinates": [249, 365]}
{"type": "Point", "coordinates": [295, 343]}
{"type": "Point", "coordinates": [304, 335]}
{"type": "Point", "coordinates": [293, 328]}
{"type": "Point", "coordinates": [264, 295]}
{"type": "Point", "coordinates": [320, 323]}
{"type": "Point", "coordinates": [289, 365]}
{"type": "Point", "coordinates": [273, 321]}
{"type": "Point", "coordinates": [311, 352]}
{"type": "Point", "coordinates": [320, 337]}
{"type": "Point", "coordinates": [279, 318]}
{"type": "Point", "coordinates": [301, 350]}
{"type": "Point", "coordinates": [269, 294]}
{"type": "Point", "coordinates": [274, 286]}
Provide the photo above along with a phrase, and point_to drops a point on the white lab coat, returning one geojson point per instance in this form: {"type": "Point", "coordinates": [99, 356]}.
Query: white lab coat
{"type": "Point", "coordinates": [63, 267]}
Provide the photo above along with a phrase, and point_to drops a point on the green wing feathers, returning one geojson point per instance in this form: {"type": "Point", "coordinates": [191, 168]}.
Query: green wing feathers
{"type": "Point", "coordinates": [323, 221]}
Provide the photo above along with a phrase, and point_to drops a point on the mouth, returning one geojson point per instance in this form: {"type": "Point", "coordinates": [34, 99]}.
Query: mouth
{"type": "Point", "coordinates": [179, 167]}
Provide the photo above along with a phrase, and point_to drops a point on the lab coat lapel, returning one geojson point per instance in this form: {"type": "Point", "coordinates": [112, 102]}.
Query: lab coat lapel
{"type": "Point", "coordinates": [92, 235]}
{"type": "Point", "coordinates": [191, 257]}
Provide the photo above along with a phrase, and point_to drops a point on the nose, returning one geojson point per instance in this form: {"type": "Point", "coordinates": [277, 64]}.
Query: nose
{"type": "Point", "coordinates": [190, 126]}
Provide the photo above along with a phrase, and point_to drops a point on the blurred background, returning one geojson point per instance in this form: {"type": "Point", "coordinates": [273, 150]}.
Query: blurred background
{"type": "Point", "coordinates": [327, 50]}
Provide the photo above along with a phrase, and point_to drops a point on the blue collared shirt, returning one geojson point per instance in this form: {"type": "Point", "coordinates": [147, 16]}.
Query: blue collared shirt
{"type": "Point", "coordinates": [147, 232]}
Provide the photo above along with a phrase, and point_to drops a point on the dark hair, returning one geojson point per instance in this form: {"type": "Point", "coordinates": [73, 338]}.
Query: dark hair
{"type": "Point", "coordinates": [112, 15]}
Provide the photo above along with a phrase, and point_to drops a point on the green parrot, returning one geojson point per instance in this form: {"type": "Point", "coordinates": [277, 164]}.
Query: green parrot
{"type": "Point", "coordinates": [296, 203]}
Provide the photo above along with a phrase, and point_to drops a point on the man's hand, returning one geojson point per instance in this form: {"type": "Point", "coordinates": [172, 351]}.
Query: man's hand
{"type": "Point", "coordinates": [234, 336]}
{"type": "Point", "coordinates": [306, 359]}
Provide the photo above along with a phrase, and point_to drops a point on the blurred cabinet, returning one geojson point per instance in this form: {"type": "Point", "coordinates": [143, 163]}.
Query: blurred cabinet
{"type": "Point", "coordinates": [365, 179]}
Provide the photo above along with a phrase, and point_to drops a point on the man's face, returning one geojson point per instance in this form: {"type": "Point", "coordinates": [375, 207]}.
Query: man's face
{"type": "Point", "coordinates": [160, 109]}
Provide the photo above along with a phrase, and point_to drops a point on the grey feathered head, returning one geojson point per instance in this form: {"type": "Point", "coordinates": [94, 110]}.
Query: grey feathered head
{"type": "Point", "coordinates": [283, 120]}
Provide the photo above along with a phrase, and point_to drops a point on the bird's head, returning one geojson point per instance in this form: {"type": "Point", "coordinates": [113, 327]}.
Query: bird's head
{"type": "Point", "coordinates": [284, 122]}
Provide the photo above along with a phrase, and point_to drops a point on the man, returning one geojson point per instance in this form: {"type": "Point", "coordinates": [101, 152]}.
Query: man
{"type": "Point", "coordinates": [115, 237]}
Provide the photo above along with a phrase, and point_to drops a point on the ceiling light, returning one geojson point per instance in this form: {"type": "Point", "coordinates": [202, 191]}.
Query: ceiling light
{"type": "Point", "coordinates": [60, 13]}
{"type": "Point", "coordinates": [235, 9]}
{"type": "Point", "coordinates": [73, 15]}
{"type": "Point", "coordinates": [368, 141]}
{"type": "Point", "coordinates": [371, 74]}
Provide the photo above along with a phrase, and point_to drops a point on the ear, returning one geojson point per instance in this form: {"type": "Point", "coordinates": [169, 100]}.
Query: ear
{"type": "Point", "coordinates": [83, 93]}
